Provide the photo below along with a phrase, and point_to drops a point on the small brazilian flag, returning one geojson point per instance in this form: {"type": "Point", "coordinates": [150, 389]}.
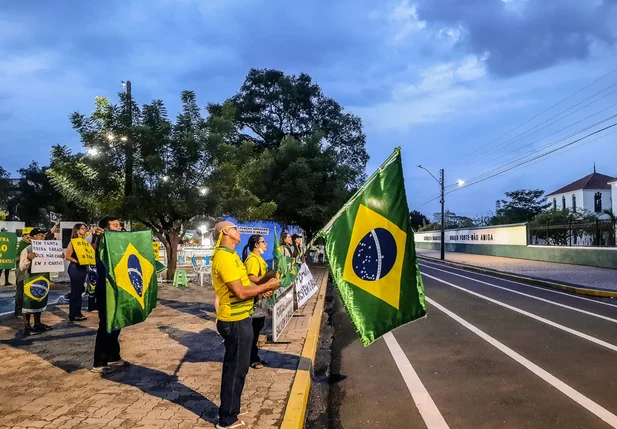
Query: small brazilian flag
{"type": "Point", "coordinates": [286, 267]}
{"type": "Point", "coordinates": [131, 284]}
{"type": "Point", "coordinates": [372, 257]}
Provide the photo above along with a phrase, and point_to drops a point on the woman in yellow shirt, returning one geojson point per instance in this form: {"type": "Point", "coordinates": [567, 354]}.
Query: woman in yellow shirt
{"type": "Point", "coordinates": [256, 269]}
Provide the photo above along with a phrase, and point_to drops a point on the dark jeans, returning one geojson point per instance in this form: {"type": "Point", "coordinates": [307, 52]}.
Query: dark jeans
{"type": "Point", "coordinates": [19, 297]}
{"type": "Point", "coordinates": [238, 338]}
{"type": "Point", "coordinates": [258, 324]}
{"type": "Point", "coordinates": [6, 276]}
{"type": "Point", "coordinates": [77, 274]}
{"type": "Point", "coordinates": [107, 346]}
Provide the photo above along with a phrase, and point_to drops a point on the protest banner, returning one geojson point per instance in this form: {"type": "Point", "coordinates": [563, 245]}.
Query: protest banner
{"type": "Point", "coordinates": [48, 256]}
{"type": "Point", "coordinates": [8, 250]}
{"type": "Point", "coordinates": [84, 251]}
{"type": "Point", "coordinates": [282, 312]}
{"type": "Point", "coordinates": [305, 285]}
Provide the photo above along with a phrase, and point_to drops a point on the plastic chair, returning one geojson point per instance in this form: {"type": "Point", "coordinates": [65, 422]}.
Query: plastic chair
{"type": "Point", "coordinates": [181, 279]}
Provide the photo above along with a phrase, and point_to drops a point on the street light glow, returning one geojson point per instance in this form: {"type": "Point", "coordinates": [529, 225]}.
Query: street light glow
{"type": "Point", "coordinates": [460, 182]}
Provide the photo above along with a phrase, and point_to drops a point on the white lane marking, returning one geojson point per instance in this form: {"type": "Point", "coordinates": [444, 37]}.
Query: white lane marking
{"type": "Point", "coordinates": [529, 296]}
{"type": "Point", "coordinates": [570, 392]}
{"type": "Point", "coordinates": [528, 314]}
{"type": "Point", "coordinates": [427, 408]}
{"type": "Point", "coordinates": [570, 295]}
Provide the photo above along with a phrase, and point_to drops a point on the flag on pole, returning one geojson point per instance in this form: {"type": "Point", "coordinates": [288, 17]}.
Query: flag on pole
{"type": "Point", "coordinates": [371, 251]}
{"type": "Point", "coordinates": [131, 284]}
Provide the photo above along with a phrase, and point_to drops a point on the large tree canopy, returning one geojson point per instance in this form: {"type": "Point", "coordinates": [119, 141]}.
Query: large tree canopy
{"type": "Point", "coordinates": [522, 206]}
{"type": "Point", "coordinates": [271, 106]}
{"type": "Point", "coordinates": [180, 170]}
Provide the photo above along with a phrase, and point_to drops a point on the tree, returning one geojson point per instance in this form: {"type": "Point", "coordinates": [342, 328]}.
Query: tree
{"type": "Point", "coordinates": [181, 169]}
{"type": "Point", "coordinates": [613, 220]}
{"type": "Point", "coordinates": [34, 197]}
{"type": "Point", "coordinates": [523, 205]}
{"type": "Point", "coordinates": [452, 220]}
{"type": "Point", "coordinates": [5, 188]}
{"type": "Point", "coordinates": [305, 180]}
{"type": "Point", "coordinates": [417, 219]}
{"type": "Point", "coordinates": [562, 227]}
{"type": "Point", "coordinates": [271, 106]}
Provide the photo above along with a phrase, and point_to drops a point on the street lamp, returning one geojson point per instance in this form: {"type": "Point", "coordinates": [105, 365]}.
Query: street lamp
{"type": "Point", "coordinates": [443, 215]}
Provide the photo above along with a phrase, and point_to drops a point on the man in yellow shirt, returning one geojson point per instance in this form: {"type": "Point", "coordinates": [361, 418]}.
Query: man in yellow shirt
{"type": "Point", "coordinates": [236, 294]}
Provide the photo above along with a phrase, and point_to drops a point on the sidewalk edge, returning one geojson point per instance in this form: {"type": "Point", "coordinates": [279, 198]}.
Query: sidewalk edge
{"type": "Point", "coordinates": [544, 283]}
{"type": "Point", "coordinates": [298, 397]}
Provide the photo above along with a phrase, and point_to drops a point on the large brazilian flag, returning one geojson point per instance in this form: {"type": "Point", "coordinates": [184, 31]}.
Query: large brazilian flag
{"type": "Point", "coordinates": [131, 284]}
{"type": "Point", "coordinates": [370, 248]}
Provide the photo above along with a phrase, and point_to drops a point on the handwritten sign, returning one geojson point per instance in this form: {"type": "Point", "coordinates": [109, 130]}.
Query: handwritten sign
{"type": "Point", "coordinates": [8, 250]}
{"type": "Point", "coordinates": [305, 285]}
{"type": "Point", "coordinates": [48, 256]}
{"type": "Point", "coordinates": [156, 247]}
{"type": "Point", "coordinates": [282, 312]}
{"type": "Point", "coordinates": [84, 251]}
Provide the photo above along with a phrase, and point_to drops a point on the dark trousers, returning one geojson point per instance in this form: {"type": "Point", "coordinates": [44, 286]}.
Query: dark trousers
{"type": "Point", "coordinates": [19, 296]}
{"type": "Point", "coordinates": [258, 324]}
{"type": "Point", "coordinates": [238, 338]}
{"type": "Point", "coordinates": [6, 276]}
{"type": "Point", "coordinates": [77, 274]}
{"type": "Point", "coordinates": [107, 346]}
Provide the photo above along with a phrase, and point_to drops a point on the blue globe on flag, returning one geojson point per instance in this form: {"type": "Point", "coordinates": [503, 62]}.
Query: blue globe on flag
{"type": "Point", "coordinates": [374, 255]}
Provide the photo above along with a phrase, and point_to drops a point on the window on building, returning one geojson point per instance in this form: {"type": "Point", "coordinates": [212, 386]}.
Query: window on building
{"type": "Point", "coordinates": [563, 203]}
{"type": "Point", "coordinates": [555, 204]}
{"type": "Point", "coordinates": [597, 202]}
{"type": "Point", "coordinates": [573, 203]}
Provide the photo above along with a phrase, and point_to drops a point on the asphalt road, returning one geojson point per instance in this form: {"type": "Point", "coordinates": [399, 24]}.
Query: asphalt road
{"type": "Point", "coordinates": [490, 354]}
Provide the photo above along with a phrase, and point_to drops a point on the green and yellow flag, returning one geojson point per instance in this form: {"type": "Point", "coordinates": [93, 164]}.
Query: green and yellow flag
{"type": "Point", "coordinates": [8, 250]}
{"type": "Point", "coordinates": [286, 267]}
{"type": "Point", "coordinates": [370, 248]}
{"type": "Point", "coordinates": [131, 284]}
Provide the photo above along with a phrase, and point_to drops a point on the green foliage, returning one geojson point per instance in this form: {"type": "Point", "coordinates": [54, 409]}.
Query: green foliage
{"type": "Point", "coordinates": [5, 188]}
{"type": "Point", "coordinates": [417, 220]}
{"type": "Point", "coordinates": [272, 106]}
{"type": "Point", "coordinates": [181, 169]}
{"type": "Point", "coordinates": [452, 220]}
{"type": "Point", "coordinates": [523, 205]}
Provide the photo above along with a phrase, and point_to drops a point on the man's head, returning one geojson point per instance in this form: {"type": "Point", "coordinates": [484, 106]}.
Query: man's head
{"type": "Point", "coordinates": [231, 235]}
{"type": "Point", "coordinates": [37, 234]}
{"type": "Point", "coordinates": [110, 222]}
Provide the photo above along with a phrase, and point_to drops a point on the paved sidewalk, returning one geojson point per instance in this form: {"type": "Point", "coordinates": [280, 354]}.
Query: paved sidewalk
{"type": "Point", "coordinates": [579, 275]}
{"type": "Point", "coordinates": [173, 382]}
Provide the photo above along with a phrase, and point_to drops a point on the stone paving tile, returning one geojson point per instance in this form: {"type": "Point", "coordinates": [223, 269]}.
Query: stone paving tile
{"type": "Point", "coordinates": [580, 275]}
{"type": "Point", "coordinates": [173, 382]}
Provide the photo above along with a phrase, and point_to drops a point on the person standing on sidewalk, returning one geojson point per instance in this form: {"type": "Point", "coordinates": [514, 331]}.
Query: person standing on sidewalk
{"type": "Point", "coordinates": [19, 275]}
{"type": "Point", "coordinates": [236, 295]}
{"type": "Point", "coordinates": [286, 243]}
{"type": "Point", "coordinates": [36, 288]}
{"type": "Point", "coordinates": [107, 345]}
{"type": "Point", "coordinates": [257, 271]}
{"type": "Point", "coordinates": [77, 274]}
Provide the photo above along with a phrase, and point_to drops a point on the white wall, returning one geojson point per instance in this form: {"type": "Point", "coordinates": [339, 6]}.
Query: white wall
{"type": "Point", "coordinates": [12, 226]}
{"type": "Point", "coordinates": [512, 235]}
{"type": "Point", "coordinates": [614, 195]}
{"type": "Point", "coordinates": [584, 199]}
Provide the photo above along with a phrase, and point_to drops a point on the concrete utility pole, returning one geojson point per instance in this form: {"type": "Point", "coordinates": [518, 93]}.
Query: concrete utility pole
{"type": "Point", "coordinates": [128, 148]}
{"type": "Point", "coordinates": [443, 217]}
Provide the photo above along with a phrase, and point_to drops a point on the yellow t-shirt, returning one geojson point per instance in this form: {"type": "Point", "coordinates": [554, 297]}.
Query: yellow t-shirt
{"type": "Point", "coordinates": [255, 265]}
{"type": "Point", "coordinates": [227, 267]}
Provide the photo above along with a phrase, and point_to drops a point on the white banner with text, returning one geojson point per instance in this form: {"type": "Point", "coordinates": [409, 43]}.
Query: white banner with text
{"type": "Point", "coordinates": [48, 256]}
{"type": "Point", "coordinates": [305, 286]}
{"type": "Point", "coordinates": [282, 312]}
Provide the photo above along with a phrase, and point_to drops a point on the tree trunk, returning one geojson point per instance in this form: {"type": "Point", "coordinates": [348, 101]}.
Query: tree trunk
{"type": "Point", "coordinates": [172, 239]}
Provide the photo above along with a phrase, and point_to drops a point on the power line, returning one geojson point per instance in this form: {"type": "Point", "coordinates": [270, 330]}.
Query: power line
{"type": "Point", "coordinates": [519, 157]}
{"type": "Point", "coordinates": [483, 155]}
{"type": "Point", "coordinates": [535, 158]}
{"type": "Point", "coordinates": [430, 201]}
{"type": "Point", "coordinates": [541, 113]}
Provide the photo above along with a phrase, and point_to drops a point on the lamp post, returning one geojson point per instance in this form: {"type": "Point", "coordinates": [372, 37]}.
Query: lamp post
{"type": "Point", "coordinates": [442, 200]}
{"type": "Point", "coordinates": [128, 144]}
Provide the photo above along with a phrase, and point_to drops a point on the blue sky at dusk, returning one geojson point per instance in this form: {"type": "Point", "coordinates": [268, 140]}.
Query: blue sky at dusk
{"type": "Point", "coordinates": [444, 79]}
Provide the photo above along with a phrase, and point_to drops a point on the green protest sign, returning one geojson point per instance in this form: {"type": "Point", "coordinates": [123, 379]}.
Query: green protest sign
{"type": "Point", "coordinates": [8, 250]}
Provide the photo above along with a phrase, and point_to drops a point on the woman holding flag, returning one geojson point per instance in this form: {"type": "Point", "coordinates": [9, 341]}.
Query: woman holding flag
{"type": "Point", "coordinates": [77, 272]}
{"type": "Point", "coordinates": [257, 270]}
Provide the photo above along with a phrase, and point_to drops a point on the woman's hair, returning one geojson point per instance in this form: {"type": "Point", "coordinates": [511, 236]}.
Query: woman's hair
{"type": "Point", "coordinates": [76, 229]}
{"type": "Point", "coordinates": [284, 235]}
{"type": "Point", "coordinates": [253, 240]}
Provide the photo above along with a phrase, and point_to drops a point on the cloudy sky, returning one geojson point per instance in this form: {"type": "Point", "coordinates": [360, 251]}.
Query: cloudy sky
{"type": "Point", "coordinates": [471, 86]}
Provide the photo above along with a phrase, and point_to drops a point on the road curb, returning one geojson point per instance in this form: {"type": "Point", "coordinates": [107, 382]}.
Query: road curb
{"type": "Point", "coordinates": [298, 397]}
{"type": "Point", "coordinates": [544, 283]}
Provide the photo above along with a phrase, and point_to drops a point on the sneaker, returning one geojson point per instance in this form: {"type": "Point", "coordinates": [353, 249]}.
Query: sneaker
{"type": "Point", "coordinates": [101, 370]}
{"type": "Point", "coordinates": [237, 425]}
{"type": "Point", "coordinates": [78, 318]}
{"type": "Point", "coordinates": [29, 331]}
{"type": "Point", "coordinates": [119, 363]}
